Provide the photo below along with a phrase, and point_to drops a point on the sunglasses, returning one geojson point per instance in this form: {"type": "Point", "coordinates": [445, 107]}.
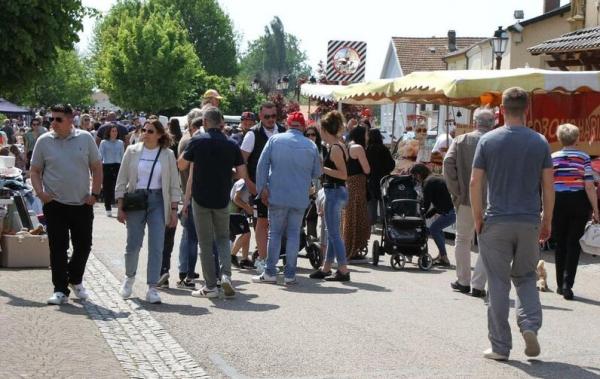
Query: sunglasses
{"type": "Point", "coordinates": [57, 119]}
{"type": "Point", "coordinates": [147, 131]}
{"type": "Point", "coordinates": [311, 135]}
{"type": "Point", "coordinates": [269, 116]}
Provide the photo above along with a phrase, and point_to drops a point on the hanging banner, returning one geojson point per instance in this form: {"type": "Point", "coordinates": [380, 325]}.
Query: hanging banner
{"type": "Point", "coordinates": [548, 111]}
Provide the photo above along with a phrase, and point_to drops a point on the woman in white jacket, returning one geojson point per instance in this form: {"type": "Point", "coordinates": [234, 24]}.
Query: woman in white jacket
{"type": "Point", "coordinates": [149, 168]}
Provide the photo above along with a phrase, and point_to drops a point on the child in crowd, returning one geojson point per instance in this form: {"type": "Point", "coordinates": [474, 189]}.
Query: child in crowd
{"type": "Point", "coordinates": [240, 210]}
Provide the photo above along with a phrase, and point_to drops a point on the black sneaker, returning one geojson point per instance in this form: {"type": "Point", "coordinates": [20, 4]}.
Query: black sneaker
{"type": "Point", "coordinates": [185, 283]}
{"type": "Point", "coordinates": [320, 274]}
{"type": "Point", "coordinates": [559, 291]}
{"type": "Point", "coordinates": [478, 293]}
{"type": "Point", "coordinates": [234, 261]}
{"type": "Point", "coordinates": [246, 263]}
{"type": "Point", "coordinates": [460, 288]}
{"type": "Point", "coordinates": [196, 276]}
{"type": "Point", "coordinates": [442, 261]}
{"type": "Point", "coordinates": [567, 294]}
{"type": "Point", "coordinates": [339, 277]}
{"type": "Point", "coordinates": [163, 282]}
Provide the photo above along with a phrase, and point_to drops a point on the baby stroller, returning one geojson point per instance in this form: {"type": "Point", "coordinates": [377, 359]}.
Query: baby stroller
{"type": "Point", "coordinates": [308, 243]}
{"type": "Point", "coordinates": [404, 230]}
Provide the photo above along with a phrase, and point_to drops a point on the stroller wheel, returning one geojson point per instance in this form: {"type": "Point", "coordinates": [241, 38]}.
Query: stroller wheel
{"type": "Point", "coordinates": [425, 262]}
{"type": "Point", "coordinates": [315, 256]}
{"type": "Point", "coordinates": [375, 253]}
{"type": "Point", "coordinates": [397, 261]}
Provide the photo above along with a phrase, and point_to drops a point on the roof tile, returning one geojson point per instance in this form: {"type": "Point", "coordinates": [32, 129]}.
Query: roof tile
{"type": "Point", "coordinates": [579, 40]}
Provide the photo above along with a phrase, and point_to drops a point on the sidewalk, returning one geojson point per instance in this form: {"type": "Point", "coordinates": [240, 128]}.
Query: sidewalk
{"type": "Point", "coordinates": [48, 341]}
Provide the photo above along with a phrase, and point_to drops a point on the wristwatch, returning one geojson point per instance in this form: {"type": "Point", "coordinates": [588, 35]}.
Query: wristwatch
{"type": "Point", "coordinates": [96, 195]}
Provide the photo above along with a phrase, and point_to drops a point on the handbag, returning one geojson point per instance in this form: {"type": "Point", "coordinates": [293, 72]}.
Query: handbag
{"type": "Point", "coordinates": [138, 200]}
{"type": "Point", "coordinates": [590, 242]}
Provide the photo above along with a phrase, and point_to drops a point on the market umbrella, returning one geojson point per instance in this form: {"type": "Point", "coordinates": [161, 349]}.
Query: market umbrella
{"type": "Point", "coordinates": [11, 109]}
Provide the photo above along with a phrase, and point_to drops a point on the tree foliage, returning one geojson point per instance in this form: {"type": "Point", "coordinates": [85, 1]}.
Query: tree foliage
{"type": "Point", "coordinates": [273, 55]}
{"type": "Point", "coordinates": [211, 32]}
{"type": "Point", "coordinates": [66, 80]}
{"type": "Point", "coordinates": [32, 31]}
{"type": "Point", "coordinates": [144, 60]}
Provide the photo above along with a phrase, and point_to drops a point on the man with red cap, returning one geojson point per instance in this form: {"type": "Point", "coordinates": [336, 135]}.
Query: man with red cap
{"type": "Point", "coordinates": [285, 170]}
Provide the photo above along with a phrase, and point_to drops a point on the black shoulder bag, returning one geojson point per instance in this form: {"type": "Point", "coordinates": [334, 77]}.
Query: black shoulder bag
{"type": "Point", "coordinates": [138, 200]}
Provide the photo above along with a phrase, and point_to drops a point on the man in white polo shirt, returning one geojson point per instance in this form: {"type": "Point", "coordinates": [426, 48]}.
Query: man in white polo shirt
{"type": "Point", "coordinates": [60, 174]}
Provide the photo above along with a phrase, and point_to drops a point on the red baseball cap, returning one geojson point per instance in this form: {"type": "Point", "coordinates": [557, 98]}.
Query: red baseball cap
{"type": "Point", "coordinates": [366, 113]}
{"type": "Point", "coordinates": [296, 118]}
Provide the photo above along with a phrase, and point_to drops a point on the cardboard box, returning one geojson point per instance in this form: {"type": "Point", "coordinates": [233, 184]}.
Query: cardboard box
{"type": "Point", "coordinates": [25, 251]}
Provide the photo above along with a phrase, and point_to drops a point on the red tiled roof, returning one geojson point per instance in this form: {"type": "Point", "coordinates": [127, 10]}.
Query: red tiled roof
{"type": "Point", "coordinates": [425, 54]}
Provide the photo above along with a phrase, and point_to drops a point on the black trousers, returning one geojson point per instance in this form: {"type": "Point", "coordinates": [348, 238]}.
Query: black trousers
{"type": "Point", "coordinates": [109, 180]}
{"type": "Point", "coordinates": [571, 213]}
{"type": "Point", "coordinates": [168, 249]}
{"type": "Point", "coordinates": [64, 220]}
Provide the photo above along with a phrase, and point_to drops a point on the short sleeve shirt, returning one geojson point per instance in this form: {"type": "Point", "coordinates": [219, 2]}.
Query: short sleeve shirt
{"type": "Point", "coordinates": [214, 156]}
{"type": "Point", "coordinates": [249, 138]}
{"type": "Point", "coordinates": [513, 159]}
{"type": "Point", "coordinates": [65, 165]}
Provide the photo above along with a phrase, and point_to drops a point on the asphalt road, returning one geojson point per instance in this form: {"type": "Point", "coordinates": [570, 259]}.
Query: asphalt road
{"type": "Point", "coordinates": [384, 323]}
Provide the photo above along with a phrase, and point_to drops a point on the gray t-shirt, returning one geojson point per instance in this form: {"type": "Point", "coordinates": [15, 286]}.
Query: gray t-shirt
{"type": "Point", "coordinates": [513, 159]}
{"type": "Point", "coordinates": [65, 165]}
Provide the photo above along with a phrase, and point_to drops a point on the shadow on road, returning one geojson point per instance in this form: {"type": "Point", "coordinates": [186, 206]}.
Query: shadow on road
{"type": "Point", "coordinates": [16, 301]}
{"type": "Point", "coordinates": [182, 309]}
{"type": "Point", "coordinates": [587, 301]}
{"type": "Point", "coordinates": [241, 302]}
{"type": "Point", "coordinates": [551, 370]}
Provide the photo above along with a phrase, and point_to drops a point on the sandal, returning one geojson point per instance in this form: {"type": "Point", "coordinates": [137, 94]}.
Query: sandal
{"type": "Point", "coordinates": [339, 277]}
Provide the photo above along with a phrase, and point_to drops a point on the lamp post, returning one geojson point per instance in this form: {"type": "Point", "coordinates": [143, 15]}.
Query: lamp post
{"type": "Point", "coordinates": [255, 84]}
{"type": "Point", "coordinates": [232, 87]}
{"type": "Point", "coordinates": [285, 83]}
{"type": "Point", "coordinates": [499, 43]}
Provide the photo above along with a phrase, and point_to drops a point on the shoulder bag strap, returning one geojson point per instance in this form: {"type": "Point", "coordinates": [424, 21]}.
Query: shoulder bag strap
{"type": "Point", "coordinates": [153, 165]}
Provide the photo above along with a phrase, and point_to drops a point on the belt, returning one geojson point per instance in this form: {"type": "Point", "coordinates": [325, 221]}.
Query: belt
{"type": "Point", "coordinates": [333, 185]}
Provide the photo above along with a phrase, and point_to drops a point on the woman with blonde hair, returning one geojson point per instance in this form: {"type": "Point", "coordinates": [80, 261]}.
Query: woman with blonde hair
{"type": "Point", "coordinates": [575, 198]}
{"type": "Point", "coordinates": [147, 192]}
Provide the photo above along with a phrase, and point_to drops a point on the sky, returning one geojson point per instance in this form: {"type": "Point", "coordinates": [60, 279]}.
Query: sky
{"type": "Point", "coordinates": [315, 22]}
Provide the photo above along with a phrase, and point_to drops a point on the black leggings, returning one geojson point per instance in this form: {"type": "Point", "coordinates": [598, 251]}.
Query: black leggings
{"type": "Point", "coordinates": [109, 180]}
{"type": "Point", "coordinates": [571, 213]}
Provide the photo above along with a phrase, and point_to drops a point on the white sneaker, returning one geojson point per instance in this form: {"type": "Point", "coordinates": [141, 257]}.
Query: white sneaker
{"type": "Point", "coordinates": [532, 346]}
{"type": "Point", "coordinates": [152, 296]}
{"type": "Point", "coordinates": [79, 291]}
{"type": "Point", "coordinates": [264, 278]}
{"type": "Point", "coordinates": [260, 265]}
{"type": "Point", "coordinates": [208, 293]}
{"type": "Point", "coordinates": [290, 281]}
{"type": "Point", "coordinates": [108, 213]}
{"type": "Point", "coordinates": [58, 298]}
{"type": "Point", "coordinates": [227, 287]}
{"type": "Point", "coordinates": [127, 287]}
{"type": "Point", "coordinates": [490, 354]}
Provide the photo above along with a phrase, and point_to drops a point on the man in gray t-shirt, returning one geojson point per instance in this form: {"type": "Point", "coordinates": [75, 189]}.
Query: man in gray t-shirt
{"type": "Point", "coordinates": [60, 174]}
{"type": "Point", "coordinates": [516, 163]}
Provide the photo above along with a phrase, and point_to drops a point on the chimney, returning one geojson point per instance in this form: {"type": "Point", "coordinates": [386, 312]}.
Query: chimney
{"type": "Point", "coordinates": [550, 5]}
{"type": "Point", "coordinates": [452, 40]}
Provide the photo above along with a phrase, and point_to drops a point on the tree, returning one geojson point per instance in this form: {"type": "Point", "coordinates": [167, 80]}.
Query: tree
{"type": "Point", "coordinates": [211, 32]}
{"type": "Point", "coordinates": [273, 55]}
{"type": "Point", "coordinates": [144, 60]}
{"type": "Point", "coordinates": [32, 31]}
{"type": "Point", "coordinates": [67, 80]}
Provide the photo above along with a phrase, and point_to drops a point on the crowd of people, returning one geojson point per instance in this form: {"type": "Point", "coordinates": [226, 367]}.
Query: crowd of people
{"type": "Point", "coordinates": [268, 175]}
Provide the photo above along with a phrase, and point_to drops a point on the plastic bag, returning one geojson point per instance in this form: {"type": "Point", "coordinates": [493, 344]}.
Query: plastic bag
{"type": "Point", "coordinates": [590, 242]}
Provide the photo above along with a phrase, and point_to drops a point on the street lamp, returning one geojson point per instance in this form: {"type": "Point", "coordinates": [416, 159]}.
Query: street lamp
{"type": "Point", "coordinates": [312, 80]}
{"type": "Point", "coordinates": [255, 84]}
{"type": "Point", "coordinates": [232, 87]}
{"type": "Point", "coordinates": [278, 85]}
{"type": "Point", "coordinates": [285, 82]}
{"type": "Point", "coordinates": [499, 45]}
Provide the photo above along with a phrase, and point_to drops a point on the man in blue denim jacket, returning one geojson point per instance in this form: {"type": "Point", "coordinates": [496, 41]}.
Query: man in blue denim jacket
{"type": "Point", "coordinates": [286, 167]}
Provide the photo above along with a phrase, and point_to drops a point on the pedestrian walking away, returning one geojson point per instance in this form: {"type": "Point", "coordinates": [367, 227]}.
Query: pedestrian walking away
{"type": "Point", "coordinates": [287, 166]}
{"type": "Point", "coordinates": [511, 229]}
{"type": "Point", "coordinates": [382, 164]}
{"type": "Point", "coordinates": [575, 198]}
{"type": "Point", "coordinates": [252, 147]}
{"type": "Point", "coordinates": [458, 164]}
{"type": "Point", "coordinates": [211, 157]}
{"type": "Point", "coordinates": [148, 193]}
{"type": "Point", "coordinates": [60, 175]}
{"type": "Point", "coordinates": [111, 151]}
{"type": "Point", "coordinates": [356, 230]}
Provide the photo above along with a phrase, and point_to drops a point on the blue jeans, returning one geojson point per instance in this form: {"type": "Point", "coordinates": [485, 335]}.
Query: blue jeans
{"type": "Point", "coordinates": [335, 201]}
{"type": "Point", "coordinates": [154, 217]}
{"type": "Point", "coordinates": [291, 220]}
{"type": "Point", "coordinates": [436, 230]}
{"type": "Point", "coordinates": [188, 248]}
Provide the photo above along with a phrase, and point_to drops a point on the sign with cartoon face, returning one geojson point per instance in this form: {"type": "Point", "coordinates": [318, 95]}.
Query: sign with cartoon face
{"type": "Point", "coordinates": [346, 61]}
